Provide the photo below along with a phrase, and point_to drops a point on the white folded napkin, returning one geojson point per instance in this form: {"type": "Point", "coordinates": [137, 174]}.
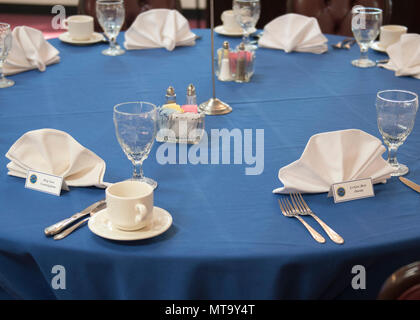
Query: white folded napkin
{"type": "Point", "coordinates": [335, 157]}
{"type": "Point", "coordinates": [56, 152]}
{"type": "Point", "coordinates": [294, 32]}
{"type": "Point", "coordinates": [405, 56]}
{"type": "Point", "coordinates": [29, 51]}
{"type": "Point", "coordinates": [159, 28]}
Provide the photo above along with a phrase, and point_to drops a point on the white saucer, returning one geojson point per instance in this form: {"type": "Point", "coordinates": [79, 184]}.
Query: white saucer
{"type": "Point", "coordinates": [100, 225]}
{"type": "Point", "coordinates": [221, 30]}
{"type": "Point", "coordinates": [95, 37]}
{"type": "Point", "coordinates": [376, 46]}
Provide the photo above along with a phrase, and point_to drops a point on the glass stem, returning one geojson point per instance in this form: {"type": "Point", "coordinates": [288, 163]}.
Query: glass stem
{"type": "Point", "coordinates": [112, 43]}
{"type": "Point", "coordinates": [245, 38]}
{"type": "Point", "coordinates": [364, 53]}
{"type": "Point", "coordinates": [392, 155]}
{"type": "Point", "coordinates": [1, 71]}
{"type": "Point", "coordinates": [138, 170]}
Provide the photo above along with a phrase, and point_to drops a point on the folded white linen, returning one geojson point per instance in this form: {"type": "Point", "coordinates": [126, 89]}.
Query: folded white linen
{"type": "Point", "coordinates": [335, 157]}
{"type": "Point", "coordinates": [294, 32]}
{"type": "Point", "coordinates": [56, 152]}
{"type": "Point", "coordinates": [159, 28]}
{"type": "Point", "coordinates": [404, 56]}
{"type": "Point", "coordinates": [29, 51]}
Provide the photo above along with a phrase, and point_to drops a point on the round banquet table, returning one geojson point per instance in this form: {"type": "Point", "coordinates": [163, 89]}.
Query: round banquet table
{"type": "Point", "coordinates": [229, 239]}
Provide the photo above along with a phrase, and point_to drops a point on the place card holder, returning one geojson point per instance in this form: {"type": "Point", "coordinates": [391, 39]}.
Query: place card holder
{"type": "Point", "coordinates": [352, 190]}
{"type": "Point", "coordinates": [44, 182]}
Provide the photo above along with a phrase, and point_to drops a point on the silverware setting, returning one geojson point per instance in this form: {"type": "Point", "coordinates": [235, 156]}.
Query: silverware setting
{"type": "Point", "coordinates": [298, 207]}
{"type": "Point", "coordinates": [63, 224]}
{"type": "Point", "coordinates": [344, 44]}
{"type": "Point", "coordinates": [382, 61]}
{"type": "Point", "coordinates": [410, 184]}
{"type": "Point", "coordinates": [77, 225]}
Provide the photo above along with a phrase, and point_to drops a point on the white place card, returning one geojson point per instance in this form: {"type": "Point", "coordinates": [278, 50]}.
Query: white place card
{"type": "Point", "coordinates": [352, 190]}
{"type": "Point", "coordinates": [44, 182]}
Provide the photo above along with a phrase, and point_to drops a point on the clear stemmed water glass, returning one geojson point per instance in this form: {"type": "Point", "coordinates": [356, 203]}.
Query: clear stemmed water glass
{"type": "Point", "coordinates": [247, 13]}
{"type": "Point", "coordinates": [111, 14]}
{"type": "Point", "coordinates": [5, 46]}
{"type": "Point", "coordinates": [135, 127]}
{"type": "Point", "coordinates": [396, 112]}
{"type": "Point", "coordinates": [366, 24]}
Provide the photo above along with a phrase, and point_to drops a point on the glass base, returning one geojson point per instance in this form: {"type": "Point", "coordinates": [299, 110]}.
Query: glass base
{"type": "Point", "coordinates": [117, 51]}
{"type": "Point", "coordinates": [6, 83]}
{"type": "Point", "coordinates": [149, 181]}
{"type": "Point", "coordinates": [249, 47]}
{"type": "Point", "coordinates": [363, 63]}
{"type": "Point", "coordinates": [399, 170]}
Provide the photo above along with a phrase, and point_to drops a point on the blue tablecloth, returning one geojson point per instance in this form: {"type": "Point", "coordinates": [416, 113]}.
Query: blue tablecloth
{"type": "Point", "coordinates": [229, 239]}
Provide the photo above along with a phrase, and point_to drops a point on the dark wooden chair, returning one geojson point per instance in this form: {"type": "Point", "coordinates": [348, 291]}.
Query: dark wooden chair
{"type": "Point", "coordinates": [334, 16]}
{"type": "Point", "coordinates": [404, 284]}
{"type": "Point", "coordinates": [132, 9]}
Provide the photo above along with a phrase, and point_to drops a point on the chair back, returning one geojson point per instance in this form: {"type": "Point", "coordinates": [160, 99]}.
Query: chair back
{"type": "Point", "coordinates": [334, 16]}
{"type": "Point", "coordinates": [132, 9]}
{"type": "Point", "coordinates": [404, 284]}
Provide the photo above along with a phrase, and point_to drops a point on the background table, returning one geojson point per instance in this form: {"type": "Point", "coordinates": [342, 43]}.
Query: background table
{"type": "Point", "coordinates": [229, 239]}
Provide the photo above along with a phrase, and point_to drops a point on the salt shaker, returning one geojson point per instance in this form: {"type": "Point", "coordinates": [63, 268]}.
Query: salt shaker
{"type": "Point", "coordinates": [191, 95]}
{"type": "Point", "coordinates": [224, 64]}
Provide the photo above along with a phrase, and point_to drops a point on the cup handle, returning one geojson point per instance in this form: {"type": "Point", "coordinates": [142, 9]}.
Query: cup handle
{"type": "Point", "coordinates": [65, 24]}
{"type": "Point", "coordinates": [141, 212]}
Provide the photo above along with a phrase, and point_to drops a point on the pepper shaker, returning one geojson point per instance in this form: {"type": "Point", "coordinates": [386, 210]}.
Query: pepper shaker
{"type": "Point", "coordinates": [170, 95]}
{"type": "Point", "coordinates": [241, 64]}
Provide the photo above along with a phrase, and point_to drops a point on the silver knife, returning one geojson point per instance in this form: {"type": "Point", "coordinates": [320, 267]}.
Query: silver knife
{"type": "Point", "coordinates": [410, 184]}
{"type": "Point", "coordinates": [61, 225]}
{"type": "Point", "coordinates": [77, 225]}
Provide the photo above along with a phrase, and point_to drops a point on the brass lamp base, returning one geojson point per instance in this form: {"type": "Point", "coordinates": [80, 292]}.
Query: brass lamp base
{"type": "Point", "coordinates": [215, 107]}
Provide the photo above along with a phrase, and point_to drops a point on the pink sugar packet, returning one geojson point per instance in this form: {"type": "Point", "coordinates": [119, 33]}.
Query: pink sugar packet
{"type": "Point", "coordinates": [190, 108]}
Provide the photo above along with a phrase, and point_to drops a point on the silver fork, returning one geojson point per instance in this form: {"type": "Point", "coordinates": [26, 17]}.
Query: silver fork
{"type": "Point", "coordinates": [303, 209]}
{"type": "Point", "coordinates": [342, 43]}
{"type": "Point", "coordinates": [288, 211]}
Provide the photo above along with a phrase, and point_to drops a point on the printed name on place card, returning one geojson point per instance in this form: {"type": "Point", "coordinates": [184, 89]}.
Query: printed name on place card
{"type": "Point", "coordinates": [43, 182]}
{"type": "Point", "coordinates": [352, 190]}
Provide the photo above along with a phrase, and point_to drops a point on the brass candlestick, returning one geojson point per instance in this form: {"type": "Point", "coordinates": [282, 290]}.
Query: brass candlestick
{"type": "Point", "coordinates": [214, 106]}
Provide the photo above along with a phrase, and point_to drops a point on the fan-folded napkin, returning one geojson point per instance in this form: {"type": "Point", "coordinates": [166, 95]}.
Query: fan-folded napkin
{"type": "Point", "coordinates": [405, 56]}
{"type": "Point", "coordinates": [335, 157]}
{"type": "Point", "coordinates": [159, 28]}
{"type": "Point", "coordinates": [294, 32]}
{"type": "Point", "coordinates": [29, 51]}
{"type": "Point", "coordinates": [56, 152]}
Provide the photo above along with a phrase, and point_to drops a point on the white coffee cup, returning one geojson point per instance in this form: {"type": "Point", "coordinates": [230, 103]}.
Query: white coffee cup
{"type": "Point", "coordinates": [391, 34]}
{"type": "Point", "coordinates": [129, 204]}
{"type": "Point", "coordinates": [80, 27]}
{"type": "Point", "coordinates": [230, 24]}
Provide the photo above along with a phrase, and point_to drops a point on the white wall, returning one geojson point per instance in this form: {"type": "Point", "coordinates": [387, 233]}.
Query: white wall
{"type": "Point", "coordinates": [190, 4]}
